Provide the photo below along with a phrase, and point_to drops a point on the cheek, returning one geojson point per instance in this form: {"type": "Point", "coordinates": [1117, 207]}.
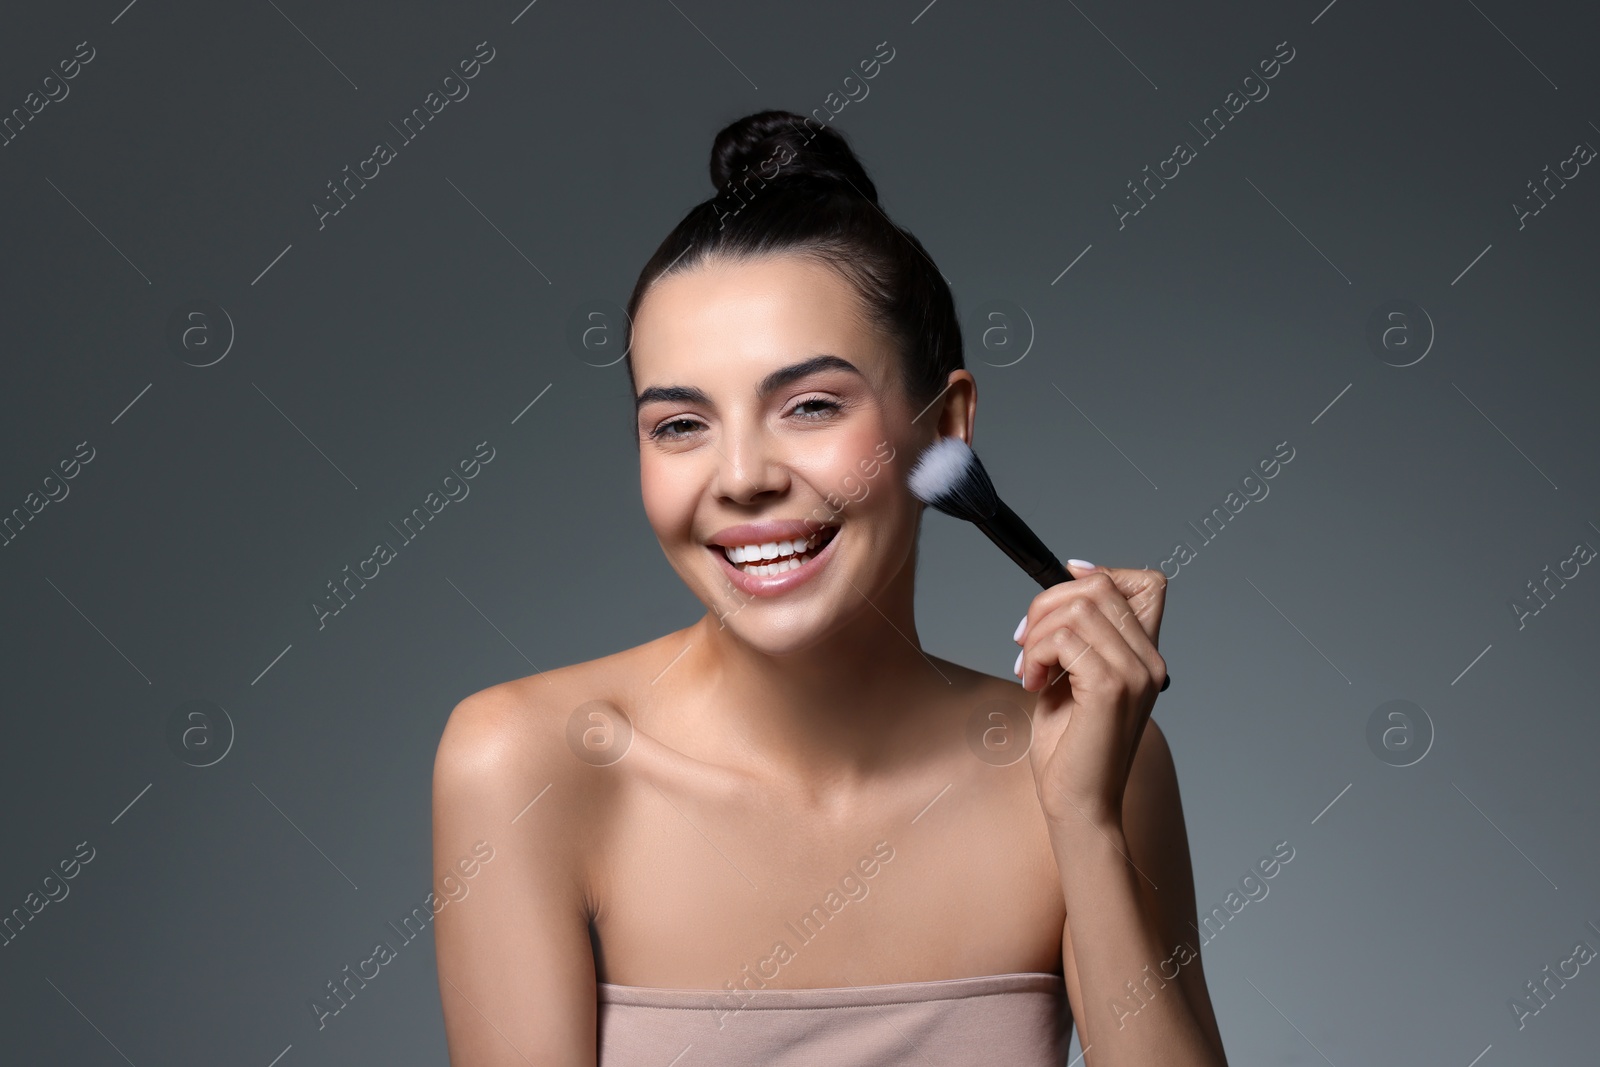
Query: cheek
{"type": "Point", "coordinates": [850, 468]}
{"type": "Point", "coordinates": [669, 492]}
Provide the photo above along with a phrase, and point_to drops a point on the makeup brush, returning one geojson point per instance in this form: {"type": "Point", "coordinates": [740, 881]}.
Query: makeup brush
{"type": "Point", "coordinates": [949, 476]}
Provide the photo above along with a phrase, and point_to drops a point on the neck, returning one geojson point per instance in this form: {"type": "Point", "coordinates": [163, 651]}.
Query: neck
{"type": "Point", "coordinates": [822, 719]}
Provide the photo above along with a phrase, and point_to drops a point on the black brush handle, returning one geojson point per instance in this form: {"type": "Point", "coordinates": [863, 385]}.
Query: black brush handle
{"type": "Point", "coordinates": [1007, 530]}
{"type": "Point", "coordinates": [1013, 536]}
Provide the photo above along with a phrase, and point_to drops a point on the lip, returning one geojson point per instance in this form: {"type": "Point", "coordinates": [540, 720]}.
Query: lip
{"type": "Point", "coordinates": [759, 533]}
{"type": "Point", "coordinates": [777, 584]}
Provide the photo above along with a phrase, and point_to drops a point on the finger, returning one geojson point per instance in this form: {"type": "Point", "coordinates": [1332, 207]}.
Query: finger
{"type": "Point", "coordinates": [1100, 585]}
{"type": "Point", "coordinates": [1117, 648]}
{"type": "Point", "coordinates": [1052, 654]}
{"type": "Point", "coordinates": [1143, 591]}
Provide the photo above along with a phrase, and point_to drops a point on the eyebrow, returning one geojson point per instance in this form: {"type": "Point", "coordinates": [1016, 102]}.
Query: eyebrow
{"type": "Point", "coordinates": [688, 394]}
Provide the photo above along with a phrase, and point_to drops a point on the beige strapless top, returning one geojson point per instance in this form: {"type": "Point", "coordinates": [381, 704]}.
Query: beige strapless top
{"type": "Point", "coordinates": [1020, 1020]}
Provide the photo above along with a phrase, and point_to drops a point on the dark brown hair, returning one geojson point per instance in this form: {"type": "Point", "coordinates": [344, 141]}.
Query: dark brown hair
{"type": "Point", "coordinates": [787, 184]}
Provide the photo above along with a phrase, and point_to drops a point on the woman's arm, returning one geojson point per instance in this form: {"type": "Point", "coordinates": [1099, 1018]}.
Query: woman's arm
{"type": "Point", "coordinates": [516, 968]}
{"type": "Point", "coordinates": [1110, 798]}
{"type": "Point", "coordinates": [1128, 930]}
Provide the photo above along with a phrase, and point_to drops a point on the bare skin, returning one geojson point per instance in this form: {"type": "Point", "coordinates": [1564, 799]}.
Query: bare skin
{"type": "Point", "coordinates": [721, 781]}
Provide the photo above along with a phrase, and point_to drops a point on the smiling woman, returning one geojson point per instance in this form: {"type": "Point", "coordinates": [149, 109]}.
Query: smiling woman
{"type": "Point", "coordinates": [785, 363]}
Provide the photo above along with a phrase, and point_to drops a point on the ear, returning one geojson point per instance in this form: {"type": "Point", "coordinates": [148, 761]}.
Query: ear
{"type": "Point", "coordinates": [958, 407]}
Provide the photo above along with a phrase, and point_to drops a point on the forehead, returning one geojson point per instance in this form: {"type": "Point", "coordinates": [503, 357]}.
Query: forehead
{"type": "Point", "coordinates": [725, 314]}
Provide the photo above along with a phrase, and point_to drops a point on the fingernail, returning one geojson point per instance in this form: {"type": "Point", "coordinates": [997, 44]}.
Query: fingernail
{"type": "Point", "coordinates": [1021, 629]}
{"type": "Point", "coordinates": [1080, 563]}
{"type": "Point", "coordinates": [1017, 669]}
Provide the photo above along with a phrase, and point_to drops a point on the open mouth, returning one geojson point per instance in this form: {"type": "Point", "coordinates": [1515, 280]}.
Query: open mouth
{"type": "Point", "coordinates": [774, 558]}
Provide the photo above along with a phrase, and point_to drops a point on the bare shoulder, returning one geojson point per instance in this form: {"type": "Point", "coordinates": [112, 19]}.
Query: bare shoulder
{"type": "Point", "coordinates": [973, 687]}
{"type": "Point", "coordinates": [499, 761]}
{"type": "Point", "coordinates": [1152, 820]}
{"type": "Point", "coordinates": [1152, 779]}
{"type": "Point", "coordinates": [521, 732]}
{"type": "Point", "coordinates": [1152, 797]}
{"type": "Point", "coordinates": [501, 732]}
{"type": "Point", "coordinates": [524, 720]}
{"type": "Point", "coordinates": [509, 786]}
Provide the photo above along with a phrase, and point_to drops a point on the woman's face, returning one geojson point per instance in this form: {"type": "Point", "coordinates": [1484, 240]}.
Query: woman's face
{"type": "Point", "coordinates": [773, 422]}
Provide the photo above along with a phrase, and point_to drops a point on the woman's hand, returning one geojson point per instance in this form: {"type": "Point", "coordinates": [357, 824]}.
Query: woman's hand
{"type": "Point", "coordinates": [1089, 651]}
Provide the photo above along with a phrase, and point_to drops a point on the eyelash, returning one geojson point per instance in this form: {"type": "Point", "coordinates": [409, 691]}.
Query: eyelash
{"type": "Point", "coordinates": [832, 408]}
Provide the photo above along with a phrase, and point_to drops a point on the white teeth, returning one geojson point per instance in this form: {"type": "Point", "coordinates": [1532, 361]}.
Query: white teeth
{"type": "Point", "coordinates": [771, 550]}
{"type": "Point", "coordinates": [767, 570]}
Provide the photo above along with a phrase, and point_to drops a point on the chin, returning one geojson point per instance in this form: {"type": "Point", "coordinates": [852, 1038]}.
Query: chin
{"type": "Point", "coordinates": [775, 632]}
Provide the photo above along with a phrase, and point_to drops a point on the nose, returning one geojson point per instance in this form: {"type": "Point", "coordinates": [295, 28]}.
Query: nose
{"type": "Point", "coordinates": [749, 464]}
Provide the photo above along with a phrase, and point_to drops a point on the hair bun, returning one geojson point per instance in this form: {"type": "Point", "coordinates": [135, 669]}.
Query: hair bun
{"type": "Point", "coordinates": [750, 147]}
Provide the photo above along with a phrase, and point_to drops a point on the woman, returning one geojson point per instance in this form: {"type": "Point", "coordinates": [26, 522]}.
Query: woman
{"type": "Point", "coordinates": [782, 834]}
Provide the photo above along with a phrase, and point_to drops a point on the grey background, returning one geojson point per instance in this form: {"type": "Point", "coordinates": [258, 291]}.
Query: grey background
{"type": "Point", "coordinates": [1177, 351]}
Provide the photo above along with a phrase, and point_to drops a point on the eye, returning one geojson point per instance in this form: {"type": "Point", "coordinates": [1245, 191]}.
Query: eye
{"type": "Point", "coordinates": [825, 408]}
{"type": "Point", "coordinates": [667, 431]}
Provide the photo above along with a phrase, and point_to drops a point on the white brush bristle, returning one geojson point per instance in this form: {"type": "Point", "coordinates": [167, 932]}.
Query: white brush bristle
{"type": "Point", "coordinates": [939, 470]}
